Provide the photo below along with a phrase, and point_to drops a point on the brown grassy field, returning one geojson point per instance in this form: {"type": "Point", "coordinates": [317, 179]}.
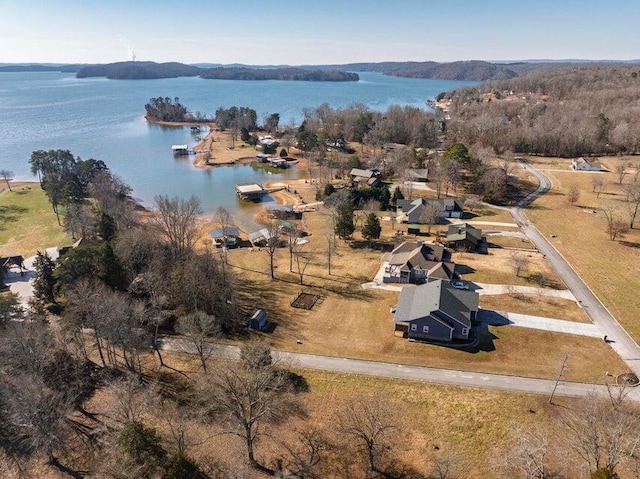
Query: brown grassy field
{"type": "Point", "coordinates": [610, 268]}
{"type": "Point", "coordinates": [545, 306]}
{"type": "Point", "coordinates": [510, 242]}
{"type": "Point", "coordinates": [497, 268]}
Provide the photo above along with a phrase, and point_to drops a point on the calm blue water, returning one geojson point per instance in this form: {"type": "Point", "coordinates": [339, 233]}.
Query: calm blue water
{"type": "Point", "coordinates": [103, 119]}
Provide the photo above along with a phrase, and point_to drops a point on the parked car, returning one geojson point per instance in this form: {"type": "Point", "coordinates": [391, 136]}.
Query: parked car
{"type": "Point", "coordinates": [459, 284]}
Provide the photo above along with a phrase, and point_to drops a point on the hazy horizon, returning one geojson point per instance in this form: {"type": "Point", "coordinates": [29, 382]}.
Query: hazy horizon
{"type": "Point", "coordinates": [294, 33]}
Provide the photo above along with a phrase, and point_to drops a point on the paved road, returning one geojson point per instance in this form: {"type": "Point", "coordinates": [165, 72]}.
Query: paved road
{"type": "Point", "coordinates": [620, 341]}
{"type": "Point", "coordinates": [413, 373]}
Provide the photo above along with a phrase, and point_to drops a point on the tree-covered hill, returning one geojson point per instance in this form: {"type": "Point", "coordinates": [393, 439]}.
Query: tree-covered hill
{"type": "Point", "coordinates": [590, 110]}
{"type": "Point", "coordinates": [287, 74]}
{"type": "Point", "coordinates": [139, 70]}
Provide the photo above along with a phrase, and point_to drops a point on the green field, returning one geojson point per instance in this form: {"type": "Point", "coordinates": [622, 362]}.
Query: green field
{"type": "Point", "coordinates": [27, 221]}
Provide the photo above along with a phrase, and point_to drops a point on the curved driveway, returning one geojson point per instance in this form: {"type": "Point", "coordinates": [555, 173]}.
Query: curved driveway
{"type": "Point", "coordinates": [618, 338]}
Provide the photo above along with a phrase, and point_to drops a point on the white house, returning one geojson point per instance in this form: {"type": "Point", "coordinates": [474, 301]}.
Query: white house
{"type": "Point", "coordinates": [580, 164]}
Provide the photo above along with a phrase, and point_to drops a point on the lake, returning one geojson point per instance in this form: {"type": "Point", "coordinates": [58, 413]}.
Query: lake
{"type": "Point", "coordinates": [103, 119]}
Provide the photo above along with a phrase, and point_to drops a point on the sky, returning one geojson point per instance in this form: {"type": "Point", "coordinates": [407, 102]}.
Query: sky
{"type": "Point", "coordinates": [321, 32]}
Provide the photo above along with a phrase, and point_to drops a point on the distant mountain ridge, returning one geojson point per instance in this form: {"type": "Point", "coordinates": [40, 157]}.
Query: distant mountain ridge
{"type": "Point", "coordinates": [470, 70]}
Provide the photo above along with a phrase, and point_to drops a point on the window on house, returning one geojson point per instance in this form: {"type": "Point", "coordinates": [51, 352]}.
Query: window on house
{"type": "Point", "coordinates": [425, 329]}
{"type": "Point", "coordinates": [414, 327]}
{"type": "Point", "coordinates": [465, 330]}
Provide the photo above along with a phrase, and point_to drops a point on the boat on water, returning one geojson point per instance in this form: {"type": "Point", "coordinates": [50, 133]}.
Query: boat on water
{"type": "Point", "coordinates": [195, 129]}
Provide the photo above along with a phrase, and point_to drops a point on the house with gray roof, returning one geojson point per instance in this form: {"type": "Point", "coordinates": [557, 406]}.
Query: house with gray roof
{"type": "Point", "coordinates": [412, 210]}
{"type": "Point", "coordinates": [435, 311]}
{"type": "Point", "coordinates": [228, 236]}
{"type": "Point", "coordinates": [417, 262]}
{"type": "Point", "coordinates": [360, 177]}
{"type": "Point", "coordinates": [464, 237]}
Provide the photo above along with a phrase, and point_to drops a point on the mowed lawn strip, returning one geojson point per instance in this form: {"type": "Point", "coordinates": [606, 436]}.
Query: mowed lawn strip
{"type": "Point", "coordinates": [610, 268]}
{"type": "Point", "coordinates": [27, 221]}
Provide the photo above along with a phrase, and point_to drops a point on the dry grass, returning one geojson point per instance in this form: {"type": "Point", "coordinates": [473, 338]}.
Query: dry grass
{"type": "Point", "coordinates": [610, 268]}
{"type": "Point", "coordinates": [27, 222]}
{"type": "Point", "coordinates": [544, 306]}
{"type": "Point", "coordinates": [352, 322]}
{"type": "Point", "coordinates": [510, 242]}
{"type": "Point", "coordinates": [476, 424]}
{"type": "Point", "coordinates": [497, 268]}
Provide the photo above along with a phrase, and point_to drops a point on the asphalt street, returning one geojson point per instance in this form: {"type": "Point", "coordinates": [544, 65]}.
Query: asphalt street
{"type": "Point", "coordinates": [413, 373]}
{"type": "Point", "coordinates": [617, 337]}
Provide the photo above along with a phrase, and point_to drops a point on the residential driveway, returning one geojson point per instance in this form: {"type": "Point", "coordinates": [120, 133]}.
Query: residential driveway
{"type": "Point", "coordinates": [500, 318]}
{"type": "Point", "coordinates": [378, 283]}
{"type": "Point", "coordinates": [21, 283]}
{"type": "Point", "coordinates": [412, 373]}
{"type": "Point", "coordinates": [483, 223]}
{"type": "Point", "coordinates": [619, 340]}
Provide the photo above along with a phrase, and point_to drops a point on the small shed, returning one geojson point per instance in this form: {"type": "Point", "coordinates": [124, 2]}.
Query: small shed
{"type": "Point", "coordinates": [259, 321]}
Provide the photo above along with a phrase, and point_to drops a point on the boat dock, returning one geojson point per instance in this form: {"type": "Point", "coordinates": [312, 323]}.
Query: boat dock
{"type": "Point", "coordinates": [182, 150]}
{"type": "Point", "coordinates": [251, 191]}
{"type": "Point", "coordinates": [254, 191]}
{"type": "Point", "coordinates": [273, 161]}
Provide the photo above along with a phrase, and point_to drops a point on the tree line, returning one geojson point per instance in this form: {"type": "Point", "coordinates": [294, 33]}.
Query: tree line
{"type": "Point", "coordinates": [566, 113]}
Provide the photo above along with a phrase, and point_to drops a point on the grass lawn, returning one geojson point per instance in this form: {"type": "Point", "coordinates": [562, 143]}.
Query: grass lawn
{"type": "Point", "coordinates": [510, 242]}
{"type": "Point", "coordinates": [544, 306]}
{"type": "Point", "coordinates": [497, 268]}
{"type": "Point", "coordinates": [610, 268]}
{"type": "Point", "coordinates": [352, 322]}
{"type": "Point", "coordinates": [27, 222]}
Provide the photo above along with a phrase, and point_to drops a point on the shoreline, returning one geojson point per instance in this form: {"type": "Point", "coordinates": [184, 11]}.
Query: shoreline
{"type": "Point", "coordinates": [210, 152]}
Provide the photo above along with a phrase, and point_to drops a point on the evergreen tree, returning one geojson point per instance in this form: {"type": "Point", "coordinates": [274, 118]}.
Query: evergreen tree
{"type": "Point", "coordinates": [372, 228]}
{"type": "Point", "coordinates": [344, 226]}
{"type": "Point", "coordinates": [183, 467]}
{"type": "Point", "coordinates": [44, 281]}
{"type": "Point", "coordinates": [141, 444]}
{"type": "Point", "coordinates": [397, 195]}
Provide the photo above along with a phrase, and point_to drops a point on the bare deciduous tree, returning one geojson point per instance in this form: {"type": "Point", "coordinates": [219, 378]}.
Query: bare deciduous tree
{"type": "Point", "coordinates": [197, 327]}
{"type": "Point", "coordinates": [573, 194]}
{"type": "Point", "coordinates": [632, 193]}
{"type": "Point", "coordinates": [603, 433]}
{"type": "Point", "coordinates": [621, 171]}
{"type": "Point", "coordinates": [176, 221]}
{"type": "Point", "coordinates": [529, 456]}
{"type": "Point", "coordinates": [272, 245]}
{"type": "Point", "coordinates": [598, 184]}
{"type": "Point", "coordinates": [246, 399]}
{"type": "Point", "coordinates": [429, 215]}
{"type": "Point", "coordinates": [306, 456]}
{"type": "Point", "coordinates": [225, 219]}
{"type": "Point", "coordinates": [519, 262]}
{"type": "Point", "coordinates": [616, 226]}
{"type": "Point", "coordinates": [369, 422]}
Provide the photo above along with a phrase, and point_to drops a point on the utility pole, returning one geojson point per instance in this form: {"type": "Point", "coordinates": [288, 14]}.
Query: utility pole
{"type": "Point", "coordinates": [563, 366]}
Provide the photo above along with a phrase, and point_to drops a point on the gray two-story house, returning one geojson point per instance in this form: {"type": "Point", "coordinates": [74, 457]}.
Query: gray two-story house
{"type": "Point", "coordinates": [436, 312]}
